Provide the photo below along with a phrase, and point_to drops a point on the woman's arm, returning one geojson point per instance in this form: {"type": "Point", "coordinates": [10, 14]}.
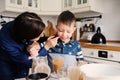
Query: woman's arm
{"type": "Point", "coordinates": [40, 49]}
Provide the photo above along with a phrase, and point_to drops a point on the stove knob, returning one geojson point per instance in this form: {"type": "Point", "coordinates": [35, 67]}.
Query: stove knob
{"type": "Point", "coordinates": [91, 53]}
{"type": "Point", "coordinates": [111, 56]}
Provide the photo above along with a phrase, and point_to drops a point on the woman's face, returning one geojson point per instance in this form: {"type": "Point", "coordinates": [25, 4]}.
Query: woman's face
{"type": "Point", "coordinates": [65, 32]}
{"type": "Point", "coordinates": [37, 38]}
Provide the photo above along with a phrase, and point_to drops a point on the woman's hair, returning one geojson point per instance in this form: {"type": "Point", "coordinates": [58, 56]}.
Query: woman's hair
{"type": "Point", "coordinates": [28, 26]}
{"type": "Point", "coordinates": [66, 17]}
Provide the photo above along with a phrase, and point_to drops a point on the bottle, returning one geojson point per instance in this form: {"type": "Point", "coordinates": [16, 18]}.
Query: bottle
{"type": "Point", "coordinates": [85, 28]}
{"type": "Point", "coordinates": [92, 27]}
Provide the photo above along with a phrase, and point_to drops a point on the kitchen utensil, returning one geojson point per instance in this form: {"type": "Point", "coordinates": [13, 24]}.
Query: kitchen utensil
{"type": "Point", "coordinates": [98, 37]}
{"type": "Point", "coordinates": [87, 35]}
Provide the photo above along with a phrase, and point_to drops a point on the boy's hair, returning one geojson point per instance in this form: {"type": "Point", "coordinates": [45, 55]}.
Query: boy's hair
{"type": "Point", "coordinates": [28, 26]}
{"type": "Point", "coordinates": [66, 17]}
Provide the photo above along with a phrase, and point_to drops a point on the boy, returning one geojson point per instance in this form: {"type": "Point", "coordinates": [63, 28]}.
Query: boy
{"type": "Point", "coordinates": [67, 49]}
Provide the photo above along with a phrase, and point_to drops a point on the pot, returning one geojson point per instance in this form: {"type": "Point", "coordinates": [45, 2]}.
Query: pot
{"type": "Point", "coordinates": [100, 72]}
{"type": "Point", "coordinates": [98, 37]}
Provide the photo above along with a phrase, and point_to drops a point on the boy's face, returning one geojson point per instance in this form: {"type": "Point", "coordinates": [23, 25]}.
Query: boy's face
{"type": "Point", "coordinates": [64, 31]}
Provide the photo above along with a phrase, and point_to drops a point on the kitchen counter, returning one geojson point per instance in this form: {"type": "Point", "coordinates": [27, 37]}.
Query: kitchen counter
{"type": "Point", "coordinates": [114, 46]}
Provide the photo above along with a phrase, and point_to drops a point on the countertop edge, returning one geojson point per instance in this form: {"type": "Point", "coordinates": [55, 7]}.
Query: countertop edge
{"type": "Point", "coordinates": [98, 46]}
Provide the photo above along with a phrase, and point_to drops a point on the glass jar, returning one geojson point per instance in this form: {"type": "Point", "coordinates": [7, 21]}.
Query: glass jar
{"type": "Point", "coordinates": [40, 68]}
{"type": "Point", "coordinates": [42, 65]}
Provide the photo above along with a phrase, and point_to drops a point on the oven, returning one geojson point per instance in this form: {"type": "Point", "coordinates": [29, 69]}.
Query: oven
{"type": "Point", "coordinates": [101, 56]}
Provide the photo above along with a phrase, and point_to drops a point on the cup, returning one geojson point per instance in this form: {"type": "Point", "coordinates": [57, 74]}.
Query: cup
{"type": "Point", "coordinates": [73, 73]}
{"type": "Point", "coordinates": [58, 65]}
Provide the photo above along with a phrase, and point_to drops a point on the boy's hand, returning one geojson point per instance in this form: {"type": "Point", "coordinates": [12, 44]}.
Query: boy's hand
{"type": "Point", "coordinates": [51, 42]}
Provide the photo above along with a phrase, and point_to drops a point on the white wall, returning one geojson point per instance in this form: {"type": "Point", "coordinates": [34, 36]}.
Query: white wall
{"type": "Point", "coordinates": [110, 22]}
{"type": "Point", "coordinates": [111, 19]}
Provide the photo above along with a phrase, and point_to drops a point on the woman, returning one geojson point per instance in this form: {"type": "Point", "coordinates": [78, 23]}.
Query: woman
{"type": "Point", "coordinates": [16, 52]}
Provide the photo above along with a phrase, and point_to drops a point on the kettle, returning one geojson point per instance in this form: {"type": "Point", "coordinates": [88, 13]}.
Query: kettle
{"type": "Point", "coordinates": [98, 37]}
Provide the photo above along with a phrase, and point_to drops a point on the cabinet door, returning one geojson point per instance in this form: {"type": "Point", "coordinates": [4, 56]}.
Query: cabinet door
{"type": "Point", "coordinates": [15, 3]}
{"type": "Point", "coordinates": [81, 3]}
{"type": "Point", "coordinates": [67, 4]}
{"type": "Point", "coordinates": [72, 4]}
{"type": "Point", "coordinates": [32, 5]}
{"type": "Point", "coordinates": [85, 1]}
{"type": "Point", "coordinates": [78, 2]}
{"type": "Point", "coordinates": [51, 6]}
{"type": "Point", "coordinates": [86, 6]}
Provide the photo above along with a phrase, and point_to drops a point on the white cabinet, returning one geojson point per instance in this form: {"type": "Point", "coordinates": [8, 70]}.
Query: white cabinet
{"type": "Point", "coordinates": [19, 5]}
{"type": "Point", "coordinates": [78, 6]}
{"type": "Point", "coordinates": [11, 5]}
{"type": "Point", "coordinates": [41, 7]}
{"type": "Point", "coordinates": [81, 2]}
{"type": "Point", "coordinates": [68, 4]}
{"type": "Point", "coordinates": [51, 7]}
{"type": "Point", "coordinates": [15, 3]}
{"type": "Point", "coordinates": [32, 5]}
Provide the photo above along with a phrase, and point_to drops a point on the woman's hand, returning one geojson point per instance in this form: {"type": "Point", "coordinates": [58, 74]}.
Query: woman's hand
{"type": "Point", "coordinates": [51, 42]}
{"type": "Point", "coordinates": [33, 50]}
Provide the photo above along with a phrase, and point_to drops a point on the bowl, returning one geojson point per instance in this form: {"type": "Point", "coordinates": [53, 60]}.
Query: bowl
{"type": "Point", "coordinates": [100, 72]}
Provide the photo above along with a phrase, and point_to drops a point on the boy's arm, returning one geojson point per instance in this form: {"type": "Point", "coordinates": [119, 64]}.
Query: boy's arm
{"type": "Point", "coordinates": [79, 56]}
